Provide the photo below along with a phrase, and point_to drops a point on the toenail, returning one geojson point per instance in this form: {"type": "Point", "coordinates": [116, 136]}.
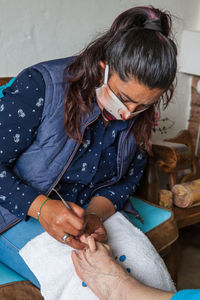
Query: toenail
{"type": "Point", "coordinates": [128, 270]}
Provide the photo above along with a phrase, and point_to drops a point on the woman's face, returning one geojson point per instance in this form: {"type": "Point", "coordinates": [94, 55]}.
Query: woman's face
{"type": "Point", "coordinates": [134, 95]}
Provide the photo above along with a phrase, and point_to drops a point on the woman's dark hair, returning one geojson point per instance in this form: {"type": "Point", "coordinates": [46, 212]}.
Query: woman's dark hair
{"type": "Point", "coordinates": [139, 45]}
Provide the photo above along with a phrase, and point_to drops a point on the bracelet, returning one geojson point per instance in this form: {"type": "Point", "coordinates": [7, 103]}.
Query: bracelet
{"type": "Point", "coordinates": [93, 213]}
{"type": "Point", "coordinates": [39, 211]}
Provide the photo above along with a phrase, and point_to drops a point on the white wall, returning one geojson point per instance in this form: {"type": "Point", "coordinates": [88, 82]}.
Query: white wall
{"type": "Point", "coordinates": [32, 31]}
{"type": "Point", "coordinates": [196, 11]}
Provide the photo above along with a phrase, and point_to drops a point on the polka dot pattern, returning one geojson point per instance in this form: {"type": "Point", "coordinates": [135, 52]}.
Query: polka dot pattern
{"type": "Point", "coordinates": [20, 115]}
{"type": "Point", "coordinates": [94, 164]}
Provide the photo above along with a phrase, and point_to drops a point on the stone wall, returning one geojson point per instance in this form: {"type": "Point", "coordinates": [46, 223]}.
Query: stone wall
{"type": "Point", "coordinates": [194, 120]}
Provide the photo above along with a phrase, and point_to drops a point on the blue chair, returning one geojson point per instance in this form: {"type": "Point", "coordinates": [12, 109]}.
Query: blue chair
{"type": "Point", "coordinates": [159, 223]}
{"type": "Point", "coordinates": [4, 83]}
{"type": "Point", "coordinates": [7, 275]}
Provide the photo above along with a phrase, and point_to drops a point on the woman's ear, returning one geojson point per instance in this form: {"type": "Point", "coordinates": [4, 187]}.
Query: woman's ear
{"type": "Point", "coordinates": [102, 64]}
{"type": "Point", "coordinates": [102, 70]}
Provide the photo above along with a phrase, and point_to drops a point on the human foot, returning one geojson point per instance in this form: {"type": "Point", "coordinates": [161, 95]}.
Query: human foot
{"type": "Point", "coordinates": [98, 269]}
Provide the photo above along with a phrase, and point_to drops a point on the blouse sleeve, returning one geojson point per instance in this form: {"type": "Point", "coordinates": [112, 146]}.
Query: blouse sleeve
{"type": "Point", "coordinates": [119, 192]}
{"type": "Point", "coordinates": [20, 114]}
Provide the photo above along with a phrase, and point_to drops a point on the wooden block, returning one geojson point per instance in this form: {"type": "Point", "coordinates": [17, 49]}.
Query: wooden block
{"type": "Point", "coordinates": [187, 194]}
{"type": "Point", "coordinates": [166, 198]}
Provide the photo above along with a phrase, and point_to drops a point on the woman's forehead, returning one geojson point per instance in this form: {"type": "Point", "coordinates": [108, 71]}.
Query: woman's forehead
{"type": "Point", "coordinates": [134, 89]}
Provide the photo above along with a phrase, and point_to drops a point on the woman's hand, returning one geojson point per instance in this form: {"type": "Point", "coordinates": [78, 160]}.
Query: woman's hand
{"type": "Point", "coordinates": [104, 208]}
{"type": "Point", "coordinates": [58, 220]}
{"type": "Point", "coordinates": [95, 227]}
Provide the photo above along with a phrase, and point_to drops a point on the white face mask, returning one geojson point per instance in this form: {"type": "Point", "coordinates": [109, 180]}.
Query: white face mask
{"type": "Point", "coordinates": [112, 107]}
{"type": "Point", "coordinates": [109, 101]}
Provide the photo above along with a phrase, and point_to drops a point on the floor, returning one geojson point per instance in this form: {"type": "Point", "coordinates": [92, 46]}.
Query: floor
{"type": "Point", "coordinates": [189, 267]}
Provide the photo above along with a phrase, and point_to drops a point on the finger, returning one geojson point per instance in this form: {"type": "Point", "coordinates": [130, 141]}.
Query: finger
{"type": "Point", "coordinates": [67, 227]}
{"type": "Point", "coordinates": [83, 238]}
{"type": "Point", "coordinates": [76, 244]}
{"type": "Point", "coordinates": [79, 211]}
{"type": "Point", "coordinates": [67, 221]}
{"type": "Point", "coordinates": [95, 236]}
{"type": "Point", "coordinates": [92, 243]}
{"type": "Point", "coordinates": [102, 234]}
{"type": "Point", "coordinates": [75, 221]}
{"type": "Point", "coordinates": [99, 237]}
{"type": "Point", "coordinates": [100, 231]}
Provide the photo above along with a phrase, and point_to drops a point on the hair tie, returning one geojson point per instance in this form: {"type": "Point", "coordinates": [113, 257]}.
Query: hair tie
{"type": "Point", "coordinates": [153, 25]}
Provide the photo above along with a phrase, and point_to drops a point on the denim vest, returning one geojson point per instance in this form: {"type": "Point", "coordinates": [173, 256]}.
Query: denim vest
{"type": "Point", "coordinates": [46, 160]}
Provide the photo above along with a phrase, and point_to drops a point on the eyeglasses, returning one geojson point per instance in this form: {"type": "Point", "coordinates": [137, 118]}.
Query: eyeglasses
{"type": "Point", "coordinates": [137, 110]}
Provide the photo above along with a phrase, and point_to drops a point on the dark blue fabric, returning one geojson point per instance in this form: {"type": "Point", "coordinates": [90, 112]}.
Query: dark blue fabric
{"type": "Point", "coordinates": [47, 150]}
{"type": "Point", "coordinates": [95, 163]}
{"type": "Point", "coordinates": [44, 162]}
{"type": "Point", "coordinates": [20, 115]}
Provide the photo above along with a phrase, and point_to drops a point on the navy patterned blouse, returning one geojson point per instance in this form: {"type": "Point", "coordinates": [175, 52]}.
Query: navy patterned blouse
{"type": "Point", "coordinates": [94, 163]}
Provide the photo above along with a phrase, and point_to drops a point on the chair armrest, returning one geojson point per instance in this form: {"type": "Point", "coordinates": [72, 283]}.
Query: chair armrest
{"type": "Point", "coordinates": [171, 157]}
{"type": "Point", "coordinates": [4, 80]}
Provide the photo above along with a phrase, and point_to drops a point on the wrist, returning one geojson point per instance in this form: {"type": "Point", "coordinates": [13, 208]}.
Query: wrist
{"type": "Point", "coordinates": [101, 206]}
{"type": "Point", "coordinates": [35, 206]}
{"type": "Point", "coordinates": [94, 214]}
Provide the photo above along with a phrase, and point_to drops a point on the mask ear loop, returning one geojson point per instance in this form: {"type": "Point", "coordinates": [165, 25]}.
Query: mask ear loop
{"type": "Point", "coordinates": [106, 74]}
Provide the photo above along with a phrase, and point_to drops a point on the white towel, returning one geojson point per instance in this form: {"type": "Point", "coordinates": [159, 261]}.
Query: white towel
{"type": "Point", "coordinates": [51, 261]}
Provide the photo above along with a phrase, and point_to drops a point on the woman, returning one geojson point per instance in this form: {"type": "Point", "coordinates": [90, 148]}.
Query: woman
{"type": "Point", "coordinates": [79, 128]}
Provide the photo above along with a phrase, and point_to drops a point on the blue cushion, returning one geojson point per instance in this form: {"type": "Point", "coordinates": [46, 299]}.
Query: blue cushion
{"type": "Point", "coordinates": [152, 216]}
{"type": "Point", "coordinates": [7, 275]}
{"type": "Point", "coordinates": [187, 294]}
{"type": "Point", "coordinates": [5, 86]}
